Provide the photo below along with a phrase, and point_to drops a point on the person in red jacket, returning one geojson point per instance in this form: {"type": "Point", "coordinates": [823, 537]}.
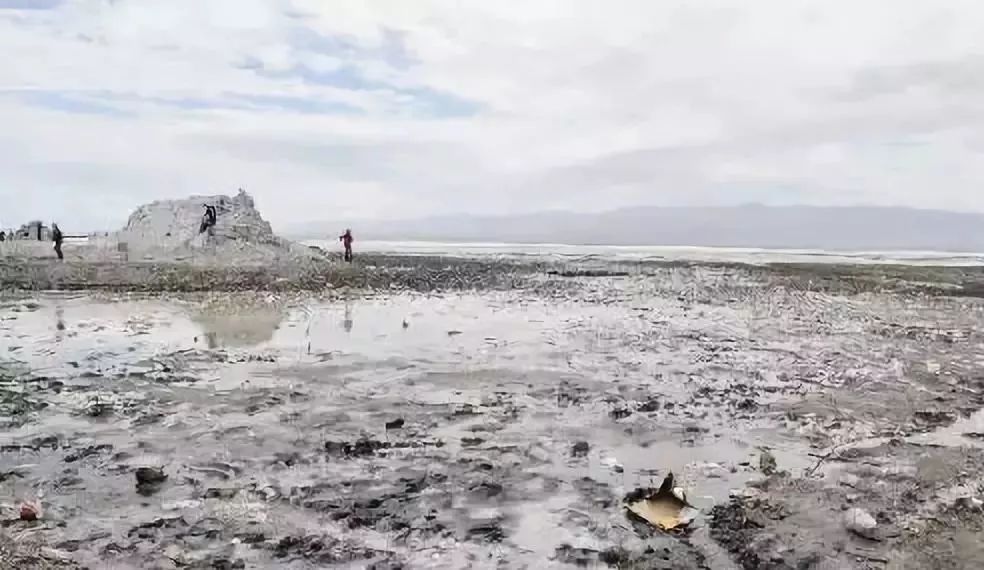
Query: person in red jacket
{"type": "Point", "coordinates": [346, 240]}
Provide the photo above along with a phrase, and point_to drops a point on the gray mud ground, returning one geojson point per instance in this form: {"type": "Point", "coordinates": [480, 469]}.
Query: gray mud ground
{"type": "Point", "coordinates": [433, 413]}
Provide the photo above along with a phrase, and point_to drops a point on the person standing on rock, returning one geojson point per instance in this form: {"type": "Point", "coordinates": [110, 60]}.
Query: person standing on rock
{"type": "Point", "coordinates": [58, 238]}
{"type": "Point", "coordinates": [208, 220]}
{"type": "Point", "coordinates": [347, 240]}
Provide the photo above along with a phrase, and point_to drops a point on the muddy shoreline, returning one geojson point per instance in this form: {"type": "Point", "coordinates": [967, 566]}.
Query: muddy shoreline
{"type": "Point", "coordinates": [426, 412]}
{"type": "Point", "coordinates": [425, 273]}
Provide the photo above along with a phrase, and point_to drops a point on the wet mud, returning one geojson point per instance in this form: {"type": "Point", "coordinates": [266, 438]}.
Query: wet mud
{"type": "Point", "coordinates": [495, 427]}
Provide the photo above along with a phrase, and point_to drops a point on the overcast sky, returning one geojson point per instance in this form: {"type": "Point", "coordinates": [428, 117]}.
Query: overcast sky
{"type": "Point", "coordinates": [393, 108]}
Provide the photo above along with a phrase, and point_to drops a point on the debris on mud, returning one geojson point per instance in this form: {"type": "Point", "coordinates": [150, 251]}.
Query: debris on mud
{"type": "Point", "coordinates": [767, 463]}
{"type": "Point", "coordinates": [580, 449]}
{"type": "Point", "coordinates": [662, 508]}
{"type": "Point", "coordinates": [861, 523]}
{"type": "Point", "coordinates": [28, 552]}
{"type": "Point", "coordinates": [896, 491]}
{"type": "Point", "coordinates": [366, 447]}
{"type": "Point", "coordinates": [303, 441]}
{"type": "Point", "coordinates": [30, 511]}
{"type": "Point", "coordinates": [149, 479]}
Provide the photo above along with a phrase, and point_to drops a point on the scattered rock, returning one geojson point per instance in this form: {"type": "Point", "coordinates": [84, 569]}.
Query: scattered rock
{"type": "Point", "coordinates": [968, 503]}
{"type": "Point", "coordinates": [567, 554]}
{"type": "Point", "coordinates": [221, 493]}
{"type": "Point", "coordinates": [30, 511]}
{"type": "Point", "coordinates": [620, 413]}
{"type": "Point", "coordinates": [714, 470]}
{"type": "Point", "coordinates": [767, 463]}
{"type": "Point", "coordinates": [487, 531]}
{"type": "Point", "coordinates": [150, 479]}
{"type": "Point", "coordinates": [861, 523]}
{"type": "Point", "coordinates": [89, 451]}
{"type": "Point", "coordinates": [150, 475]}
{"type": "Point", "coordinates": [395, 424]}
{"type": "Point", "coordinates": [580, 449]}
{"type": "Point", "coordinates": [613, 464]}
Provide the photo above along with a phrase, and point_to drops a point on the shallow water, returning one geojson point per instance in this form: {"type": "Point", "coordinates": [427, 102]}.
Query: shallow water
{"type": "Point", "coordinates": [216, 392]}
{"type": "Point", "coordinates": [561, 252]}
{"type": "Point", "coordinates": [433, 429]}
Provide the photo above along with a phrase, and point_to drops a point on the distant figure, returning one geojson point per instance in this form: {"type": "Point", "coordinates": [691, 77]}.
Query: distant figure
{"type": "Point", "coordinates": [57, 237]}
{"type": "Point", "coordinates": [208, 220]}
{"type": "Point", "coordinates": [346, 239]}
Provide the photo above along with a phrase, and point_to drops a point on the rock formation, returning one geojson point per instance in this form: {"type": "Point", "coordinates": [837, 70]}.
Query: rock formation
{"type": "Point", "coordinates": [170, 229]}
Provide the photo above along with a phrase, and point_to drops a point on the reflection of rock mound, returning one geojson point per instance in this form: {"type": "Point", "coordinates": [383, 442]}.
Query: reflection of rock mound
{"type": "Point", "coordinates": [248, 326]}
{"type": "Point", "coordinates": [171, 228]}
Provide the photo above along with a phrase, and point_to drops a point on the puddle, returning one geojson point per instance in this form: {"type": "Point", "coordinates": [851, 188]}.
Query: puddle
{"type": "Point", "coordinates": [437, 429]}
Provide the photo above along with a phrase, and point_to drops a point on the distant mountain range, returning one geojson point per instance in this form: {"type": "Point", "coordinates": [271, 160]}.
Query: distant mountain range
{"type": "Point", "coordinates": [796, 227]}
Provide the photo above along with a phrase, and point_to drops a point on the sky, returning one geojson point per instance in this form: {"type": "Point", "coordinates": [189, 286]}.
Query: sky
{"type": "Point", "coordinates": [382, 109]}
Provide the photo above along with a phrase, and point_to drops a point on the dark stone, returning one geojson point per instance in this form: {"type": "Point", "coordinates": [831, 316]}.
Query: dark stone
{"type": "Point", "coordinates": [620, 413]}
{"type": "Point", "coordinates": [150, 476]}
{"type": "Point", "coordinates": [487, 531]}
{"type": "Point", "coordinates": [487, 489]}
{"type": "Point", "coordinates": [289, 459]}
{"type": "Point", "coordinates": [149, 480]}
{"type": "Point", "coordinates": [148, 529]}
{"type": "Point", "coordinates": [251, 537]}
{"type": "Point", "coordinates": [361, 448]}
{"type": "Point", "coordinates": [395, 424]}
{"type": "Point", "coordinates": [567, 554]}
{"type": "Point", "coordinates": [220, 493]}
{"type": "Point", "coordinates": [580, 449]}
{"type": "Point", "coordinates": [87, 452]}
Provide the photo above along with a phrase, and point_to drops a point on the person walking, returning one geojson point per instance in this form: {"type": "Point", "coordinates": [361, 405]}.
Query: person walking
{"type": "Point", "coordinates": [57, 237]}
{"type": "Point", "coordinates": [347, 240]}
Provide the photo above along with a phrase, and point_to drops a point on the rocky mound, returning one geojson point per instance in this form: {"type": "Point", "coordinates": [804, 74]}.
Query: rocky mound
{"type": "Point", "coordinates": [170, 229]}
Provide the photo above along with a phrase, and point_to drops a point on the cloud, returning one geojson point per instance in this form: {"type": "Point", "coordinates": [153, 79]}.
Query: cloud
{"type": "Point", "coordinates": [29, 4]}
{"type": "Point", "coordinates": [397, 108]}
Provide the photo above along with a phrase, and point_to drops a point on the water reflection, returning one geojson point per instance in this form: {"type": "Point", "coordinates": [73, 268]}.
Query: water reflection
{"type": "Point", "coordinates": [238, 326]}
{"type": "Point", "coordinates": [59, 322]}
{"type": "Point", "coordinates": [347, 322]}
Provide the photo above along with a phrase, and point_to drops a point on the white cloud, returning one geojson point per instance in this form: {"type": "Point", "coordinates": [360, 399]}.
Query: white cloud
{"type": "Point", "coordinates": [388, 107]}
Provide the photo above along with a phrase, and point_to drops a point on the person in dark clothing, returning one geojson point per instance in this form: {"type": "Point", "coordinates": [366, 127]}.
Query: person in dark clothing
{"type": "Point", "coordinates": [347, 240]}
{"type": "Point", "coordinates": [208, 220]}
{"type": "Point", "coordinates": [57, 237]}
